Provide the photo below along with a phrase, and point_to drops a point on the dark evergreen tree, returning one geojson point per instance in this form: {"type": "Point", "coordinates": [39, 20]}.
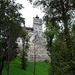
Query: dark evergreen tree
{"type": "Point", "coordinates": [25, 47]}
{"type": "Point", "coordinates": [10, 30]}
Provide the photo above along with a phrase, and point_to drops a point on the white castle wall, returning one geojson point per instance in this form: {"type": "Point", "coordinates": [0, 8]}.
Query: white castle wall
{"type": "Point", "coordinates": [38, 43]}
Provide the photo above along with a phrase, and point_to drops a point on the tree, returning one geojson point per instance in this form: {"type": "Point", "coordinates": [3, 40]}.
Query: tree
{"type": "Point", "coordinates": [10, 30]}
{"type": "Point", "coordinates": [35, 48]}
{"type": "Point", "coordinates": [25, 46]}
{"type": "Point", "coordinates": [59, 11]}
{"type": "Point", "coordinates": [51, 31]}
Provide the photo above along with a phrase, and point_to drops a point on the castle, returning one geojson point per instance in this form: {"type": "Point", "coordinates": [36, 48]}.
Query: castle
{"type": "Point", "coordinates": [37, 42]}
{"type": "Point", "coordinates": [37, 49]}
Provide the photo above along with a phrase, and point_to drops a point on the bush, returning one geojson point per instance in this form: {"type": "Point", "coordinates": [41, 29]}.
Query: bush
{"type": "Point", "coordinates": [46, 61]}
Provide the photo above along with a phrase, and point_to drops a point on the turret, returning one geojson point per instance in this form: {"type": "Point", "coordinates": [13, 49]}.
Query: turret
{"type": "Point", "coordinates": [37, 24]}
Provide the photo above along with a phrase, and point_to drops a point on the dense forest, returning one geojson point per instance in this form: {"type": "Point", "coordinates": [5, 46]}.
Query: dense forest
{"type": "Point", "coordinates": [59, 20]}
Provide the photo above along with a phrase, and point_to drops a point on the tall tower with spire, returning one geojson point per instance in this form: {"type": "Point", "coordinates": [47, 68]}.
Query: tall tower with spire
{"type": "Point", "coordinates": [37, 42]}
{"type": "Point", "coordinates": [37, 24]}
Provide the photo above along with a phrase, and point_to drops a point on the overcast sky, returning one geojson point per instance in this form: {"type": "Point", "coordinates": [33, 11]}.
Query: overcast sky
{"type": "Point", "coordinates": [29, 12]}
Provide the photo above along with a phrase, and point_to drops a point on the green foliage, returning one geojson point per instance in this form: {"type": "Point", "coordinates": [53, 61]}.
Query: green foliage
{"type": "Point", "coordinates": [10, 22]}
{"type": "Point", "coordinates": [51, 30]}
{"type": "Point", "coordinates": [60, 44]}
{"type": "Point", "coordinates": [25, 47]}
{"type": "Point", "coordinates": [10, 29]}
{"type": "Point", "coordinates": [46, 61]}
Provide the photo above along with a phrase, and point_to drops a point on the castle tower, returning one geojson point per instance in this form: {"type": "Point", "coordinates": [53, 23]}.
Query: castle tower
{"type": "Point", "coordinates": [37, 42]}
{"type": "Point", "coordinates": [37, 24]}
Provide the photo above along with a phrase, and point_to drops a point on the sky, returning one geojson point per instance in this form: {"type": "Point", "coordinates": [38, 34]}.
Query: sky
{"type": "Point", "coordinates": [28, 12]}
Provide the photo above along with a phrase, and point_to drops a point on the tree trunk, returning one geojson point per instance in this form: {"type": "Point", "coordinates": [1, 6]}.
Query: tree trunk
{"type": "Point", "coordinates": [9, 48]}
{"type": "Point", "coordinates": [8, 63]}
{"type": "Point", "coordinates": [34, 64]}
{"type": "Point", "coordinates": [23, 59]}
{"type": "Point", "coordinates": [2, 64]}
{"type": "Point", "coordinates": [73, 72]}
{"type": "Point", "coordinates": [34, 60]}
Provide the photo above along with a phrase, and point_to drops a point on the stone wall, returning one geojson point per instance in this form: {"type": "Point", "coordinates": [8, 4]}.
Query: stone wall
{"type": "Point", "coordinates": [37, 42]}
{"type": "Point", "coordinates": [37, 48]}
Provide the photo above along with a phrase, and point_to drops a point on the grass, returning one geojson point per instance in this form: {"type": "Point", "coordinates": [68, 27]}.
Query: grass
{"type": "Point", "coordinates": [15, 68]}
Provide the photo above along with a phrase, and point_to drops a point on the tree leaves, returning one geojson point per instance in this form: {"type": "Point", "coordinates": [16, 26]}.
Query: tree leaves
{"type": "Point", "coordinates": [10, 29]}
{"type": "Point", "coordinates": [60, 43]}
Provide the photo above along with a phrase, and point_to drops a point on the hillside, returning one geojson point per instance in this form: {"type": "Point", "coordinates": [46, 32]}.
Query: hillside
{"type": "Point", "coordinates": [15, 68]}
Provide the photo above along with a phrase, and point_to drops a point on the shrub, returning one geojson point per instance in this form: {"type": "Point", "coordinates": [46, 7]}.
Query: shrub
{"type": "Point", "coordinates": [46, 61]}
